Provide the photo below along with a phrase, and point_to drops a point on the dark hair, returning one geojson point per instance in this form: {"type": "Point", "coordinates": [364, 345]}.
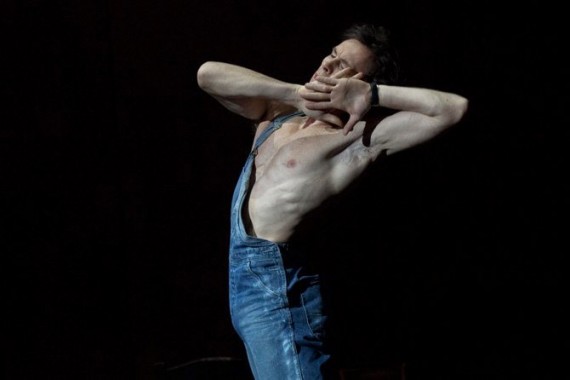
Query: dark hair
{"type": "Point", "coordinates": [377, 38]}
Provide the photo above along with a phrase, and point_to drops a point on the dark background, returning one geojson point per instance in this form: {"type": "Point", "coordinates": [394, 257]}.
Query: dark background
{"type": "Point", "coordinates": [116, 175]}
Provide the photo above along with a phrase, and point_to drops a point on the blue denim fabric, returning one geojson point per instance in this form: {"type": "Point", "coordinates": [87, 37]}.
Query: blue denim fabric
{"type": "Point", "coordinates": [275, 300]}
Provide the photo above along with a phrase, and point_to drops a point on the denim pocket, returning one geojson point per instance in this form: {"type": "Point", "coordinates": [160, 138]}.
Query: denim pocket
{"type": "Point", "coordinates": [313, 307]}
{"type": "Point", "coordinates": [268, 274]}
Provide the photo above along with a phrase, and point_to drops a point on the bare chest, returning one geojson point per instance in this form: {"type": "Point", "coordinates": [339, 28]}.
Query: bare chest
{"type": "Point", "coordinates": [291, 148]}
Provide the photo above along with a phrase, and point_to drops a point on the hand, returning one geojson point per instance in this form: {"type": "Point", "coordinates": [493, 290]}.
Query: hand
{"type": "Point", "coordinates": [341, 93]}
{"type": "Point", "coordinates": [330, 116]}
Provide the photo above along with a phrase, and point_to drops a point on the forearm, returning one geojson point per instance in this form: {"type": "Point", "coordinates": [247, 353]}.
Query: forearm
{"type": "Point", "coordinates": [446, 106]}
{"type": "Point", "coordinates": [244, 91]}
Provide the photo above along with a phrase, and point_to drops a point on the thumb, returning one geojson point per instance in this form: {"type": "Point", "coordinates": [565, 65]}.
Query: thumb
{"type": "Point", "coordinates": [309, 121]}
{"type": "Point", "coordinates": [350, 124]}
{"type": "Point", "coordinates": [331, 119]}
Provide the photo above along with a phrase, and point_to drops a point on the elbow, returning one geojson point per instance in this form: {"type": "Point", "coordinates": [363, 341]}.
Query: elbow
{"type": "Point", "coordinates": [462, 107]}
{"type": "Point", "coordinates": [462, 104]}
{"type": "Point", "coordinates": [204, 75]}
{"type": "Point", "coordinates": [457, 110]}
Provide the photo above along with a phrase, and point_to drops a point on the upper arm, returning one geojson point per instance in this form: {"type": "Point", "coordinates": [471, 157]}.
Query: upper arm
{"type": "Point", "coordinates": [255, 109]}
{"type": "Point", "coordinates": [421, 114]}
{"type": "Point", "coordinates": [243, 91]}
{"type": "Point", "coordinates": [221, 81]}
{"type": "Point", "coordinates": [405, 129]}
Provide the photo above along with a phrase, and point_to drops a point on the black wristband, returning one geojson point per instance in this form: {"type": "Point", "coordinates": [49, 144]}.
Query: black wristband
{"type": "Point", "coordinates": [375, 100]}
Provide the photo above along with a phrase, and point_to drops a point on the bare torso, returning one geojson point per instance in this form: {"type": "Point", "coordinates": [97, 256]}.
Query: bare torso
{"type": "Point", "coordinates": [296, 169]}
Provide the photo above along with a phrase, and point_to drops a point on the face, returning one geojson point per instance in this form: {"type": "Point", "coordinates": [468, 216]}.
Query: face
{"type": "Point", "coordinates": [349, 53]}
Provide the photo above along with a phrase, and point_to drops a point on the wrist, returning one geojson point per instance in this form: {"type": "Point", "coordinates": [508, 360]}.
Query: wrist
{"type": "Point", "coordinates": [375, 94]}
{"type": "Point", "coordinates": [295, 98]}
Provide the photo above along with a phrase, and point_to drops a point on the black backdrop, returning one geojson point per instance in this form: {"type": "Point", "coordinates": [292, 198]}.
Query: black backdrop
{"type": "Point", "coordinates": [117, 172]}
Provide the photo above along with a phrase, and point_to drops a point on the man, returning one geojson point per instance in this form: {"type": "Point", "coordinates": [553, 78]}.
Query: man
{"type": "Point", "coordinates": [312, 141]}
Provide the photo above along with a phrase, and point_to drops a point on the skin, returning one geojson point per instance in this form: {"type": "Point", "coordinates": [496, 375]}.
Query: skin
{"type": "Point", "coordinates": [313, 157]}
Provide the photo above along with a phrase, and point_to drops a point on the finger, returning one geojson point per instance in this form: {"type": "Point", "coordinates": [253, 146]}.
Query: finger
{"type": "Point", "coordinates": [327, 80]}
{"type": "Point", "coordinates": [358, 76]}
{"type": "Point", "coordinates": [331, 119]}
{"type": "Point", "coordinates": [316, 96]}
{"type": "Point", "coordinates": [318, 106]}
{"type": "Point", "coordinates": [317, 86]}
{"type": "Point", "coordinates": [349, 126]}
{"type": "Point", "coordinates": [310, 120]}
{"type": "Point", "coordinates": [344, 73]}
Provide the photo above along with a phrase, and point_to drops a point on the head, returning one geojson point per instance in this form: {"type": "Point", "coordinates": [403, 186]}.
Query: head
{"type": "Point", "coordinates": [366, 49]}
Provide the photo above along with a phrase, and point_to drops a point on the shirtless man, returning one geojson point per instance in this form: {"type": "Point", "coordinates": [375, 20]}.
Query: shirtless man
{"type": "Point", "coordinates": [311, 142]}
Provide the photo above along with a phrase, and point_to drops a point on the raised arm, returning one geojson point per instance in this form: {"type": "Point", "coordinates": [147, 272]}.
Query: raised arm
{"type": "Point", "coordinates": [256, 96]}
{"type": "Point", "coordinates": [248, 93]}
{"type": "Point", "coordinates": [423, 113]}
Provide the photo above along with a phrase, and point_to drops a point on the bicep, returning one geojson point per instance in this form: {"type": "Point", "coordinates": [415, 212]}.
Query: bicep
{"type": "Point", "coordinates": [255, 109]}
{"type": "Point", "coordinates": [404, 130]}
{"type": "Point", "coordinates": [250, 108]}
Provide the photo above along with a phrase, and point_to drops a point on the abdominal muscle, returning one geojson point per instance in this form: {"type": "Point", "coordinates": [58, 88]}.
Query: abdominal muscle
{"type": "Point", "coordinates": [292, 176]}
{"type": "Point", "coordinates": [276, 208]}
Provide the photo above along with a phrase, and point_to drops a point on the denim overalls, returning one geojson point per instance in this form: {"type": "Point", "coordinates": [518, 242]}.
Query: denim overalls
{"type": "Point", "coordinates": [275, 300]}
